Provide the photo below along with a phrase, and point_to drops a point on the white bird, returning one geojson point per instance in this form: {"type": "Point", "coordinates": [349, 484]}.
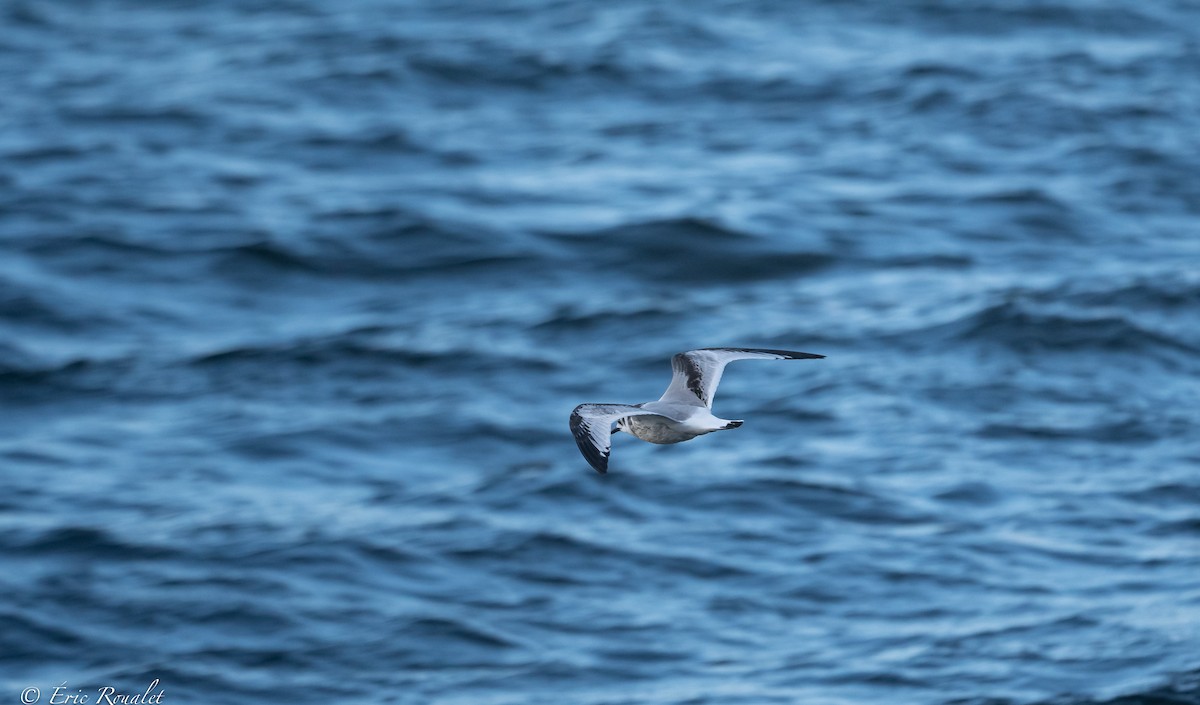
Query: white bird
{"type": "Point", "coordinates": [683, 412]}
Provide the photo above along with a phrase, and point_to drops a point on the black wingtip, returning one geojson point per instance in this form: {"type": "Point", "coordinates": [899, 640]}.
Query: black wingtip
{"type": "Point", "coordinates": [789, 354]}
{"type": "Point", "coordinates": [793, 355]}
{"type": "Point", "coordinates": [598, 461]}
{"type": "Point", "coordinates": [595, 458]}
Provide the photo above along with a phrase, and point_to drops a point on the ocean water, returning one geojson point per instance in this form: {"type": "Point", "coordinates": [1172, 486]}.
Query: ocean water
{"type": "Point", "coordinates": [296, 298]}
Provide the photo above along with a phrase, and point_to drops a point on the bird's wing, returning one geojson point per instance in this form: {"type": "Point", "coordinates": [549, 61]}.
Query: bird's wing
{"type": "Point", "coordinates": [591, 425]}
{"type": "Point", "coordinates": [696, 373]}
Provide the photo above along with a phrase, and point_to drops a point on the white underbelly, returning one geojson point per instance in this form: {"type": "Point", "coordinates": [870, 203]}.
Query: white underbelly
{"type": "Point", "coordinates": [657, 429]}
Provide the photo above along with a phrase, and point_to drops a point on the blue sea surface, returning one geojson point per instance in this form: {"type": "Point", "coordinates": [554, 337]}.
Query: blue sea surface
{"type": "Point", "coordinates": [296, 298]}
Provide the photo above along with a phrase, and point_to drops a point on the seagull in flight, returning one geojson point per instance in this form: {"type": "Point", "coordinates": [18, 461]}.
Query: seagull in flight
{"type": "Point", "coordinates": [683, 412]}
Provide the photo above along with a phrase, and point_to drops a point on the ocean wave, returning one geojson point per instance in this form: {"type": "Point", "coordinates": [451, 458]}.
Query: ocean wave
{"type": "Point", "coordinates": [1175, 292]}
{"type": "Point", "coordinates": [29, 639]}
{"type": "Point", "coordinates": [26, 14]}
{"type": "Point", "coordinates": [28, 377]}
{"type": "Point", "coordinates": [1169, 493]}
{"type": "Point", "coordinates": [1131, 430]}
{"type": "Point", "coordinates": [378, 245]}
{"type": "Point", "coordinates": [689, 250]}
{"type": "Point", "coordinates": [27, 306]}
{"type": "Point", "coordinates": [974, 492]}
{"type": "Point", "coordinates": [366, 344]}
{"type": "Point", "coordinates": [376, 140]}
{"type": "Point", "coordinates": [1182, 689]}
{"type": "Point", "coordinates": [85, 541]}
{"type": "Point", "coordinates": [483, 64]}
{"type": "Point", "coordinates": [570, 318]}
{"type": "Point", "coordinates": [347, 242]}
{"type": "Point", "coordinates": [142, 115]}
{"type": "Point", "coordinates": [457, 630]}
{"type": "Point", "coordinates": [558, 557]}
{"type": "Point", "coordinates": [102, 247]}
{"type": "Point", "coordinates": [55, 152]}
{"type": "Point", "coordinates": [770, 494]}
{"type": "Point", "coordinates": [1023, 327]}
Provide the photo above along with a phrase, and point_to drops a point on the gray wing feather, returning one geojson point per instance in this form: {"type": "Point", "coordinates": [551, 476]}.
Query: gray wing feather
{"type": "Point", "coordinates": [591, 424]}
{"type": "Point", "coordinates": [696, 373]}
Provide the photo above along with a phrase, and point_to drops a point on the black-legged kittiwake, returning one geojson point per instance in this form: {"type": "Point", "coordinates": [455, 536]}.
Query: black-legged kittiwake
{"type": "Point", "coordinates": [683, 412]}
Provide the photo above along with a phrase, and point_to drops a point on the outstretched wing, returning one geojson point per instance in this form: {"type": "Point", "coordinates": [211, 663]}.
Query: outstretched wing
{"type": "Point", "coordinates": [696, 373]}
{"type": "Point", "coordinates": [591, 424]}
